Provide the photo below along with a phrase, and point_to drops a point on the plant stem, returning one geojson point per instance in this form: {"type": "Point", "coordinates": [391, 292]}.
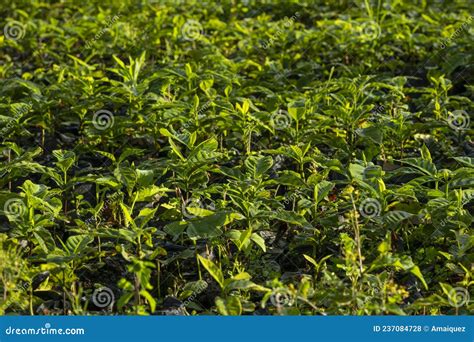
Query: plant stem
{"type": "Point", "coordinates": [357, 234]}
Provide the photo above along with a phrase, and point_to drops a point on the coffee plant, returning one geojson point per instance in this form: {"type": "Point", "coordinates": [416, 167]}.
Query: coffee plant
{"type": "Point", "coordinates": [164, 157]}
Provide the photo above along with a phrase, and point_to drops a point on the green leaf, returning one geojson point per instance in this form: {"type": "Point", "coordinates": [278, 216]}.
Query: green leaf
{"type": "Point", "coordinates": [467, 161]}
{"type": "Point", "coordinates": [467, 182]}
{"type": "Point", "coordinates": [311, 260]}
{"type": "Point", "coordinates": [149, 193]}
{"type": "Point", "coordinates": [198, 211]}
{"type": "Point", "coordinates": [385, 245]}
{"type": "Point", "coordinates": [213, 270]}
{"type": "Point", "coordinates": [108, 155]}
{"type": "Point", "coordinates": [289, 177]}
{"type": "Point", "coordinates": [151, 301]}
{"type": "Point", "coordinates": [204, 151]}
{"type": "Point", "coordinates": [425, 153]}
{"type": "Point", "coordinates": [244, 237]}
{"type": "Point", "coordinates": [126, 175]}
{"type": "Point", "coordinates": [127, 152]}
{"type": "Point", "coordinates": [41, 241]}
{"type": "Point", "coordinates": [259, 241]}
{"type": "Point", "coordinates": [175, 229]}
{"type": "Point", "coordinates": [119, 62]}
{"type": "Point", "coordinates": [258, 166]}
{"type": "Point", "coordinates": [321, 190]}
{"type": "Point", "coordinates": [424, 166]}
{"type": "Point", "coordinates": [289, 217]}
{"type": "Point", "coordinates": [76, 244]}
{"type": "Point", "coordinates": [176, 149]}
{"type": "Point", "coordinates": [206, 84]}
{"type": "Point", "coordinates": [65, 159]}
{"type": "Point", "coordinates": [296, 111]}
{"type": "Point", "coordinates": [145, 177]}
{"type": "Point", "coordinates": [145, 215]}
{"type": "Point", "coordinates": [396, 216]}
{"type": "Point", "coordinates": [220, 306]}
{"type": "Point", "coordinates": [124, 299]}
{"type": "Point", "coordinates": [189, 70]}
{"type": "Point", "coordinates": [206, 227]}
{"type": "Point", "coordinates": [373, 133]}
{"type": "Point", "coordinates": [244, 284]}
{"type": "Point", "coordinates": [415, 270]}
{"type": "Point", "coordinates": [356, 171]}
{"type": "Point", "coordinates": [127, 215]}
{"type": "Point", "coordinates": [233, 306]}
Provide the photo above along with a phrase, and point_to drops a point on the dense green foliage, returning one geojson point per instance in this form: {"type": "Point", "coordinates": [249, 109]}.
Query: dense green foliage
{"type": "Point", "coordinates": [296, 157]}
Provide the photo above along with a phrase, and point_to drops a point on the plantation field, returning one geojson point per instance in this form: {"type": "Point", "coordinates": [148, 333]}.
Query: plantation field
{"type": "Point", "coordinates": [236, 157]}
